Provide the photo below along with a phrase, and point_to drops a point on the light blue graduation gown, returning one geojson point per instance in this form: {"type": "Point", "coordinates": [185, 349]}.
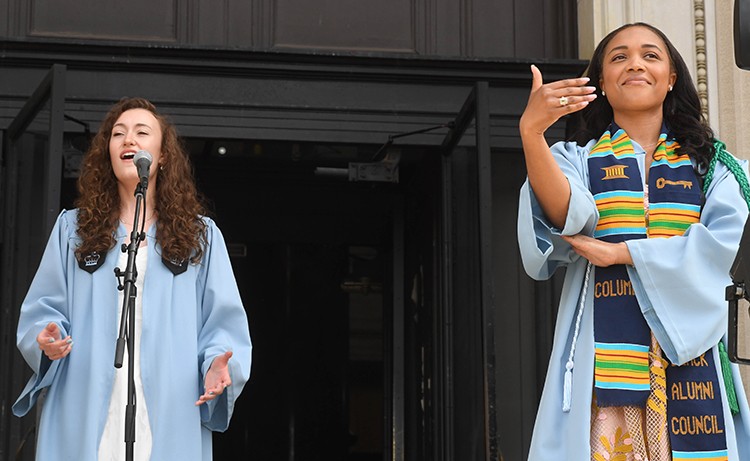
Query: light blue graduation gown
{"type": "Point", "coordinates": [188, 320]}
{"type": "Point", "coordinates": [679, 283]}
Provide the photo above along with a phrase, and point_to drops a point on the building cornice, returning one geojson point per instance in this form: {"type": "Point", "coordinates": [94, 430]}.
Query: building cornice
{"type": "Point", "coordinates": [263, 64]}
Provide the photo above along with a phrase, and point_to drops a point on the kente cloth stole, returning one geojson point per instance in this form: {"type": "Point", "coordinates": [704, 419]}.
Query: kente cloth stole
{"type": "Point", "coordinates": [694, 415]}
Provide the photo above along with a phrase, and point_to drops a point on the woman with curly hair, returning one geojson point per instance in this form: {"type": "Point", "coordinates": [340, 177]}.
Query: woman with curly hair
{"type": "Point", "coordinates": [647, 224]}
{"type": "Point", "coordinates": [192, 343]}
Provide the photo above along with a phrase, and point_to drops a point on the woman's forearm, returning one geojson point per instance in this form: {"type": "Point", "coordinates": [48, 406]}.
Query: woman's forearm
{"type": "Point", "coordinates": [547, 180]}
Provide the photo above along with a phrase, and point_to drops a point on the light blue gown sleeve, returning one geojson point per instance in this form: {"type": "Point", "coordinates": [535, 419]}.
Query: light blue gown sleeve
{"type": "Point", "coordinates": [45, 302]}
{"type": "Point", "coordinates": [224, 328]}
{"type": "Point", "coordinates": [542, 249]}
{"type": "Point", "coordinates": [680, 281]}
{"type": "Point", "coordinates": [558, 434]}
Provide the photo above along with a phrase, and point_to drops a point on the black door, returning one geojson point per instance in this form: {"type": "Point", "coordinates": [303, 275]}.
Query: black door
{"type": "Point", "coordinates": [31, 177]}
{"type": "Point", "coordinates": [466, 390]}
{"type": "Point", "coordinates": [319, 263]}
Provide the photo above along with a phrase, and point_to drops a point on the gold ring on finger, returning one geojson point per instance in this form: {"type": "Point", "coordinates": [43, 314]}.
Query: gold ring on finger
{"type": "Point", "coordinates": [563, 101]}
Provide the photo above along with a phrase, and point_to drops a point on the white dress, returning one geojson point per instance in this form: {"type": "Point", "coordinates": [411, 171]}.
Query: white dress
{"type": "Point", "coordinates": [112, 445]}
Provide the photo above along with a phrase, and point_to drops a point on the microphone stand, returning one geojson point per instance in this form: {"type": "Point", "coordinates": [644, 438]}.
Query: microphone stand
{"type": "Point", "coordinates": [127, 320]}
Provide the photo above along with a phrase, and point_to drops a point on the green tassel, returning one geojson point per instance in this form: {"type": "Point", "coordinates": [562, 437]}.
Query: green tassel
{"type": "Point", "coordinates": [726, 371]}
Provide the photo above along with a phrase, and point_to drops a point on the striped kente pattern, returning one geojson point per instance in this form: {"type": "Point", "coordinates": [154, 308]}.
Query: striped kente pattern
{"type": "Point", "coordinates": [620, 211]}
{"type": "Point", "coordinates": [622, 366]}
{"type": "Point", "coordinates": [714, 455]}
{"type": "Point", "coordinates": [668, 219]}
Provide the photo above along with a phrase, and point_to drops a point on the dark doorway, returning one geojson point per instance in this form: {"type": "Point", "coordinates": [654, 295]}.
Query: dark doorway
{"type": "Point", "coordinates": [313, 256]}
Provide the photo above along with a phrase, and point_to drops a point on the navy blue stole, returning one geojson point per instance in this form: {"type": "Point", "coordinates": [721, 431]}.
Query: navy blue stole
{"type": "Point", "coordinates": [695, 417]}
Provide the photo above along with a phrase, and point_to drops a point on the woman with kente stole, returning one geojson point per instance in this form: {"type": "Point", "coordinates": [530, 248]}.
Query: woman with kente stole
{"type": "Point", "coordinates": [647, 223]}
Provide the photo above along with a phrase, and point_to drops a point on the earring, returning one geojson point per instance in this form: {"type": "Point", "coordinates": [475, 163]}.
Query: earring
{"type": "Point", "coordinates": [670, 87]}
{"type": "Point", "coordinates": [603, 93]}
{"type": "Point", "coordinates": [161, 167]}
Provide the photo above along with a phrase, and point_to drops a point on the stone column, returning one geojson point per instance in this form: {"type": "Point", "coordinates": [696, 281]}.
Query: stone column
{"type": "Point", "coordinates": [733, 95]}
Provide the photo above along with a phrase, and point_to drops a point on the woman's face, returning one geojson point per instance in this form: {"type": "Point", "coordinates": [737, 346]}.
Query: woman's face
{"type": "Point", "coordinates": [636, 71]}
{"type": "Point", "coordinates": [134, 130]}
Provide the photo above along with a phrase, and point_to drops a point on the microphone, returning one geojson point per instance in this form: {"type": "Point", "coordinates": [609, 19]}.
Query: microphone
{"type": "Point", "coordinates": [142, 161]}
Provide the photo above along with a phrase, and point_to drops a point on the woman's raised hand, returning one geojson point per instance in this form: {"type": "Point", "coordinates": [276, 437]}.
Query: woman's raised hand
{"type": "Point", "coordinates": [547, 103]}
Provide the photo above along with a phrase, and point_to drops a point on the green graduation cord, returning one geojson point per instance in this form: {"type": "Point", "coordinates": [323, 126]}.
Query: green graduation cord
{"type": "Point", "coordinates": [724, 157]}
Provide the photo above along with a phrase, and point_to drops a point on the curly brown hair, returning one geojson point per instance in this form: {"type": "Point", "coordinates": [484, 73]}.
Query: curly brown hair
{"type": "Point", "coordinates": [180, 229]}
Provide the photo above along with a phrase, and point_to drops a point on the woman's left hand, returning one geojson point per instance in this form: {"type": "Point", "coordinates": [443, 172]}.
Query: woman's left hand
{"type": "Point", "coordinates": [600, 253]}
{"type": "Point", "coordinates": [217, 378]}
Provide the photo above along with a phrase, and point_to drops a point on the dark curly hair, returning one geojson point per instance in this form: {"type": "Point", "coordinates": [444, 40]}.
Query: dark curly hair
{"type": "Point", "coordinates": [681, 107]}
{"type": "Point", "coordinates": [180, 229]}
